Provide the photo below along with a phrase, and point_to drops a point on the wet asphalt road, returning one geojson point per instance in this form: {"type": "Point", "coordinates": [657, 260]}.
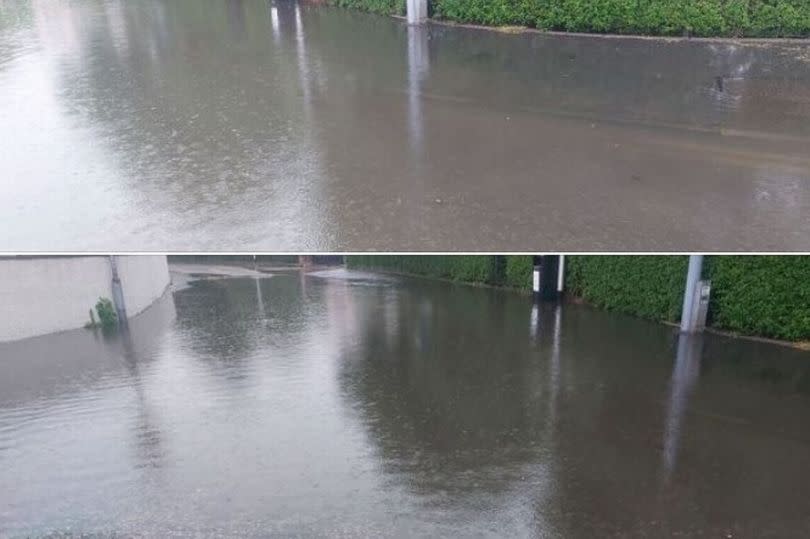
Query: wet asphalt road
{"type": "Point", "coordinates": [244, 125]}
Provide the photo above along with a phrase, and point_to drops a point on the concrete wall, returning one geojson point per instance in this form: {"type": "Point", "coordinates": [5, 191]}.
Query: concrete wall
{"type": "Point", "coordinates": [144, 279]}
{"type": "Point", "coordinates": [40, 295]}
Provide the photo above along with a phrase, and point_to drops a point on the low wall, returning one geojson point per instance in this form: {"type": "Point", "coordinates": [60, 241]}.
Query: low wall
{"type": "Point", "coordinates": [40, 295]}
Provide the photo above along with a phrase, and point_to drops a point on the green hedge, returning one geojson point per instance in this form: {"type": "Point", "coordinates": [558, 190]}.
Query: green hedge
{"type": "Point", "coordinates": [748, 18]}
{"type": "Point", "coordinates": [767, 296]}
{"type": "Point", "coordinates": [646, 286]}
{"type": "Point", "coordinates": [652, 17]}
{"type": "Point", "coordinates": [471, 269]}
{"type": "Point", "coordinates": [761, 295]}
{"type": "Point", "coordinates": [519, 272]}
{"type": "Point", "coordinates": [383, 7]}
{"type": "Point", "coordinates": [509, 271]}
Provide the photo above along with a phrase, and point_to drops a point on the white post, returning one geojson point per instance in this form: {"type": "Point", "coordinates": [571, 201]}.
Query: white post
{"type": "Point", "coordinates": [561, 274]}
{"type": "Point", "coordinates": [417, 11]}
{"type": "Point", "coordinates": [688, 312]}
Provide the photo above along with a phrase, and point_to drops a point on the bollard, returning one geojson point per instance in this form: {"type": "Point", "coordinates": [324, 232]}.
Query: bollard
{"type": "Point", "coordinates": [544, 278]}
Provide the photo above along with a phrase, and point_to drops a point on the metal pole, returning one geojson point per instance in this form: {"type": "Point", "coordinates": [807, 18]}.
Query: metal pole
{"type": "Point", "coordinates": [688, 319]}
{"type": "Point", "coordinates": [561, 275]}
{"type": "Point", "coordinates": [417, 11]}
{"type": "Point", "coordinates": [118, 293]}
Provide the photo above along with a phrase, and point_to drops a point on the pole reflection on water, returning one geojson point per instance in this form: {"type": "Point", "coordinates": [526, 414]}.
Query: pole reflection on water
{"type": "Point", "coordinates": [148, 435]}
{"type": "Point", "coordinates": [554, 375]}
{"type": "Point", "coordinates": [536, 325]}
{"type": "Point", "coordinates": [684, 378]}
{"type": "Point", "coordinates": [342, 403]}
{"type": "Point", "coordinates": [259, 300]}
{"type": "Point", "coordinates": [303, 64]}
{"type": "Point", "coordinates": [418, 70]}
{"type": "Point", "coordinates": [274, 23]}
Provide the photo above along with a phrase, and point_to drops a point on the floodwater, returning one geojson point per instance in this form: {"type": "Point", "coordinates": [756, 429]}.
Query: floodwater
{"type": "Point", "coordinates": [252, 124]}
{"type": "Point", "coordinates": [345, 404]}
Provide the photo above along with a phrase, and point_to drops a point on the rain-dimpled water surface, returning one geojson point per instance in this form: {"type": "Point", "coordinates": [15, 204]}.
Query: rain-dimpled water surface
{"type": "Point", "coordinates": [273, 125]}
{"type": "Point", "coordinates": [344, 404]}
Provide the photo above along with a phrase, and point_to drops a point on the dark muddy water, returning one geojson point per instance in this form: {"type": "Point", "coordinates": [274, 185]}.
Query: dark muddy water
{"type": "Point", "coordinates": [239, 124]}
{"type": "Point", "coordinates": [351, 405]}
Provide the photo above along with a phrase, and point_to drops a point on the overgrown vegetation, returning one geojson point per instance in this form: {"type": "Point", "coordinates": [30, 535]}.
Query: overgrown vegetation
{"type": "Point", "coordinates": [107, 317]}
{"type": "Point", "coordinates": [767, 296]}
{"type": "Point", "coordinates": [383, 7]}
{"type": "Point", "coordinates": [736, 18]}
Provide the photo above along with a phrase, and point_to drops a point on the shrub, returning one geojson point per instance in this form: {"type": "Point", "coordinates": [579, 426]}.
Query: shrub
{"type": "Point", "coordinates": [471, 269]}
{"type": "Point", "coordinates": [519, 272]}
{"type": "Point", "coordinates": [107, 316]}
{"type": "Point", "coordinates": [646, 286]}
{"type": "Point", "coordinates": [762, 295]}
{"type": "Point", "coordinates": [383, 7]}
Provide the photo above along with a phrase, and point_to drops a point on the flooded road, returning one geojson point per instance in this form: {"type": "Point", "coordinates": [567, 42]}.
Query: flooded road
{"type": "Point", "coordinates": [348, 404]}
{"type": "Point", "coordinates": [240, 124]}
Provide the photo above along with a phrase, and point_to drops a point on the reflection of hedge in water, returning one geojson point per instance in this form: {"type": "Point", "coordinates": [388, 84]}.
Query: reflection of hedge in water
{"type": "Point", "coordinates": [767, 296]}
{"type": "Point", "coordinates": [439, 393]}
{"type": "Point", "coordinates": [451, 388]}
{"type": "Point", "coordinates": [782, 369]}
{"type": "Point", "coordinates": [651, 17]}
